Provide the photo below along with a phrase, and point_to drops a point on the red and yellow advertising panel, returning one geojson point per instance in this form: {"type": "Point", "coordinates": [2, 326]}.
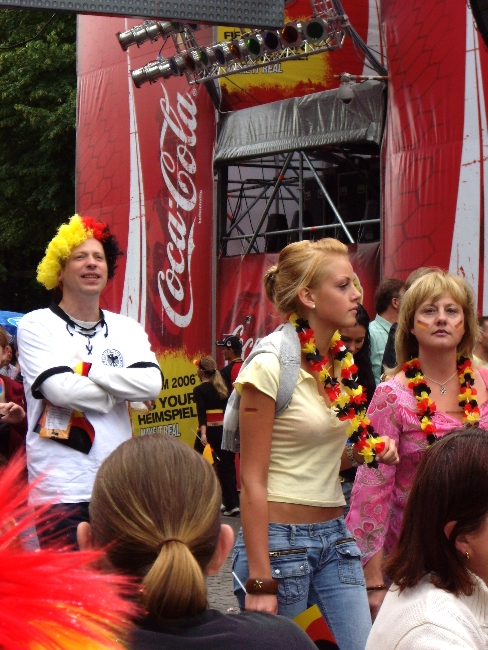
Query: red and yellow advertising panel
{"type": "Point", "coordinates": [144, 165]}
{"type": "Point", "coordinates": [285, 79]}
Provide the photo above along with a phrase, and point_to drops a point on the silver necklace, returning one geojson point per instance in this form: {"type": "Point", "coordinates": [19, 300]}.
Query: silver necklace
{"type": "Point", "coordinates": [442, 384]}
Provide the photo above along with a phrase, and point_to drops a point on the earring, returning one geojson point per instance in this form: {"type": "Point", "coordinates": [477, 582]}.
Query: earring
{"type": "Point", "coordinates": [466, 555]}
{"type": "Point", "coordinates": [313, 306]}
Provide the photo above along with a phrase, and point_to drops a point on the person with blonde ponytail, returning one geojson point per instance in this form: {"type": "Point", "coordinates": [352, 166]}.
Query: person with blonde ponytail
{"type": "Point", "coordinates": [210, 399]}
{"type": "Point", "coordinates": [155, 507]}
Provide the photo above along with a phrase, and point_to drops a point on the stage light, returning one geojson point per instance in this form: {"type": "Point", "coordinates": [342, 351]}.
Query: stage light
{"type": "Point", "coordinates": [222, 53]}
{"type": "Point", "coordinates": [259, 43]}
{"type": "Point", "coordinates": [149, 31]}
{"type": "Point", "coordinates": [151, 72]}
{"type": "Point", "coordinates": [315, 30]}
{"type": "Point", "coordinates": [239, 50]}
{"type": "Point", "coordinates": [254, 44]}
{"type": "Point", "coordinates": [292, 35]}
{"type": "Point", "coordinates": [202, 57]}
{"type": "Point", "coordinates": [181, 63]}
{"type": "Point", "coordinates": [271, 40]}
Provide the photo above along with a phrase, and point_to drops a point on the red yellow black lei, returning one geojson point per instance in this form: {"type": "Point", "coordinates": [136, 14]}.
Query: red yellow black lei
{"type": "Point", "coordinates": [426, 407]}
{"type": "Point", "coordinates": [349, 403]}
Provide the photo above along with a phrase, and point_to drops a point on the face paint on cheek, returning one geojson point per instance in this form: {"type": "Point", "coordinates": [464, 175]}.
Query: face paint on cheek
{"type": "Point", "coordinates": [459, 325]}
{"type": "Point", "coordinates": [421, 325]}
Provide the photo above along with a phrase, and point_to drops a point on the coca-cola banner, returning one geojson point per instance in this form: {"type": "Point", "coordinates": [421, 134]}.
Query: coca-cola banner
{"type": "Point", "coordinates": [243, 307]}
{"type": "Point", "coordinates": [144, 165]}
{"type": "Point", "coordinates": [435, 201]}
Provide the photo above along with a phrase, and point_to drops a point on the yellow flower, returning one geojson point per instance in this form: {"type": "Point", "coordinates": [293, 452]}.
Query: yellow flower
{"type": "Point", "coordinates": [335, 337]}
{"type": "Point", "coordinates": [323, 374]}
{"type": "Point", "coordinates": [367, 454]}
{"type": "Point", "coordinates": [342, 400]}
{"type": "Point", "coordinates": [293, 319]}
{"type": "Point", "coordinates": [467, 394]}
{"type": "Point", "coordinates": [309, 348]}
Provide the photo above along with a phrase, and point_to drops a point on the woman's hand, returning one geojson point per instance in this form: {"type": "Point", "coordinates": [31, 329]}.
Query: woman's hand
{"type": "Point", "coordinates": [374, 577]}
{"type": "Point", "coordinates": [262, 603]}
{"type": "Point", "coordinates": [375, 600]}
{"type": "Point", "coordinates": [11, 413]}
{"type": "Point", "coordinates": [389, 455]}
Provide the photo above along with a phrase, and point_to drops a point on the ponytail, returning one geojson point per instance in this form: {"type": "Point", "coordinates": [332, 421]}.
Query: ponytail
{"type": "Point", "coordinates": [156, 507]}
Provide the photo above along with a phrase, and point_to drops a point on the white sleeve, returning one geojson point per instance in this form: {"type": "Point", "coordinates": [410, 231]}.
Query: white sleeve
{"type": "Point", "coordinates": [139, 382]}
{"type": "Point", "coordinates": [45, 370]}
{"type": "Point", "coordinates": [430, 635]}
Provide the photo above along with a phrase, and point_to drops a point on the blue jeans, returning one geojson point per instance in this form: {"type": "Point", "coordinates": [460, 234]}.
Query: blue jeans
{"type": "Point", "coordinates": [321, 565]}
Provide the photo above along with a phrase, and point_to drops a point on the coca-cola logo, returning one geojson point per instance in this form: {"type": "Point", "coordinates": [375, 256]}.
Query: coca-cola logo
{"type": "Point", "coordinates": [178, 167]}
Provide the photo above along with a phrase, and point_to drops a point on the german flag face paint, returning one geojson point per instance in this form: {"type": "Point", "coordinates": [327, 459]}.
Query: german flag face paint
{"type": "Point", "coordinates": [420, 324]}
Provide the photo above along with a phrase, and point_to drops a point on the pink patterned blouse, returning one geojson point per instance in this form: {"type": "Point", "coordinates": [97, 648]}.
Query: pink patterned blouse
{"type": "Point", "coordinates": [379, 496]}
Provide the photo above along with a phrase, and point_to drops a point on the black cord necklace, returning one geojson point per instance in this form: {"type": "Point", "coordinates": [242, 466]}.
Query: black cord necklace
{"type": "Point", "coordinates": [87, 332]}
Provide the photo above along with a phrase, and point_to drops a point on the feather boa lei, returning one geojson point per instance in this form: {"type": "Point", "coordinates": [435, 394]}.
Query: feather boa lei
{"type": "Point", "coordinates": [426, 407]}
{"type": "Point", "coordinates": [347, 397]}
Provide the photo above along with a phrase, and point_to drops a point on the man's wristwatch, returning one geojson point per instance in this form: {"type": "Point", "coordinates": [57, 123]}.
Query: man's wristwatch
{"type": "Point", "coordinates": [261, 586]}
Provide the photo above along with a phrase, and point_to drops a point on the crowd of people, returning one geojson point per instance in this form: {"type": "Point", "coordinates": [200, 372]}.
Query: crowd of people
{"type": "Point", "coordinates": [363, 452]}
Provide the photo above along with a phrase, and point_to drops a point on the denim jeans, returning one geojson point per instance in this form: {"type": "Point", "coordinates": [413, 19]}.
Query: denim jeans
{"type": "Point", "coordinates": [319, 564]}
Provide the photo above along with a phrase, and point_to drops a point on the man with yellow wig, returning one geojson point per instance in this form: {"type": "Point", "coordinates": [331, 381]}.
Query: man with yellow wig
{"type": "Point", "coordinates": [81, 365]}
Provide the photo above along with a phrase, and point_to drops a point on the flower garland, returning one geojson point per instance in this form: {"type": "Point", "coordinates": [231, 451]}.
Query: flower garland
{"type": "Point", "coordinates": [349, 403]}
{"type": "Point", "coordinates": [427, 408]}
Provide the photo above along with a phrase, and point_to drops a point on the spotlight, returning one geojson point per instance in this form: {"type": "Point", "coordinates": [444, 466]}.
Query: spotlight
{"type": "Point", "coordinates": [315, 30]}
{"type": "Point", "coordinates": [346, 89]}
{"type": "Point", "coordinates": [291, 34]}
{"type": "Point", "coordinates": [149, 31]}
{"type": "Point", "coordinates": [181, 63]}
{"type": "Point", "coordinates": [271, 40]}
{"type": "Point", "coordinates": [239, 49]}
{"type": "Point", "coordinates": [259, 43]}
{"type": "Point", "coordinates": [223, 54]}
{"type": "Point", "coordinates": [151, 72]}
{"type": "Point", "coordinates": [202, 57]}
{"type": "Point", "coordinates": [255, 45]}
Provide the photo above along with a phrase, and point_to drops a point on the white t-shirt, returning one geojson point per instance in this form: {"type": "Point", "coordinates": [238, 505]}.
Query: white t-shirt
{"type": "Point", "coordinates": [48, 348]}
{"type": "Point", "coordinates": [427, 618]}
{"type": "Point", "coordinates": [307, 442]}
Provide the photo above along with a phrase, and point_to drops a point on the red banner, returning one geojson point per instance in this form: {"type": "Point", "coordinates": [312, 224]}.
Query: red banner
{"type": "Point", "coordinates": [244, 309]}
{"type": "Point", "coordinates": [144, 165]}
{"type": "Point", "coordinates": [436, 146]}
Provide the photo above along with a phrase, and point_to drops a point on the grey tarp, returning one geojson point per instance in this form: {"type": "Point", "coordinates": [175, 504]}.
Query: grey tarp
{"type": "Point", "coordinates": [316, 120]}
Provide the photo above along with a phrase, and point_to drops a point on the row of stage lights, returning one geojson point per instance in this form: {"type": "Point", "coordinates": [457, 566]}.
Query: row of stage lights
{"type": "Point", "coordinates": [296, 39]}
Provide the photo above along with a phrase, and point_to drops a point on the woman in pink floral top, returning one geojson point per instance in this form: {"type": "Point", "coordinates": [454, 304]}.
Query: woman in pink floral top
{"type": "Point", "coordinates": [437, 323]}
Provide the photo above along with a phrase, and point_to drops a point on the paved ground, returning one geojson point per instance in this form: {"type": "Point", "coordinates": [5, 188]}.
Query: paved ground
{"type": "Point", "coordinates": [220, 587]}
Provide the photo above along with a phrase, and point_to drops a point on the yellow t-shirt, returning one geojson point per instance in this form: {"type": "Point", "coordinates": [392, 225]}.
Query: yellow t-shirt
{"type": "Point", "coordinates": [307, 442]}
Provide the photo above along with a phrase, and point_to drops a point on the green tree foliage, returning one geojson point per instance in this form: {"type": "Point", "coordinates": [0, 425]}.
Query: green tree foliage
{"type": "Point", "coordinates": [37, 146]}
